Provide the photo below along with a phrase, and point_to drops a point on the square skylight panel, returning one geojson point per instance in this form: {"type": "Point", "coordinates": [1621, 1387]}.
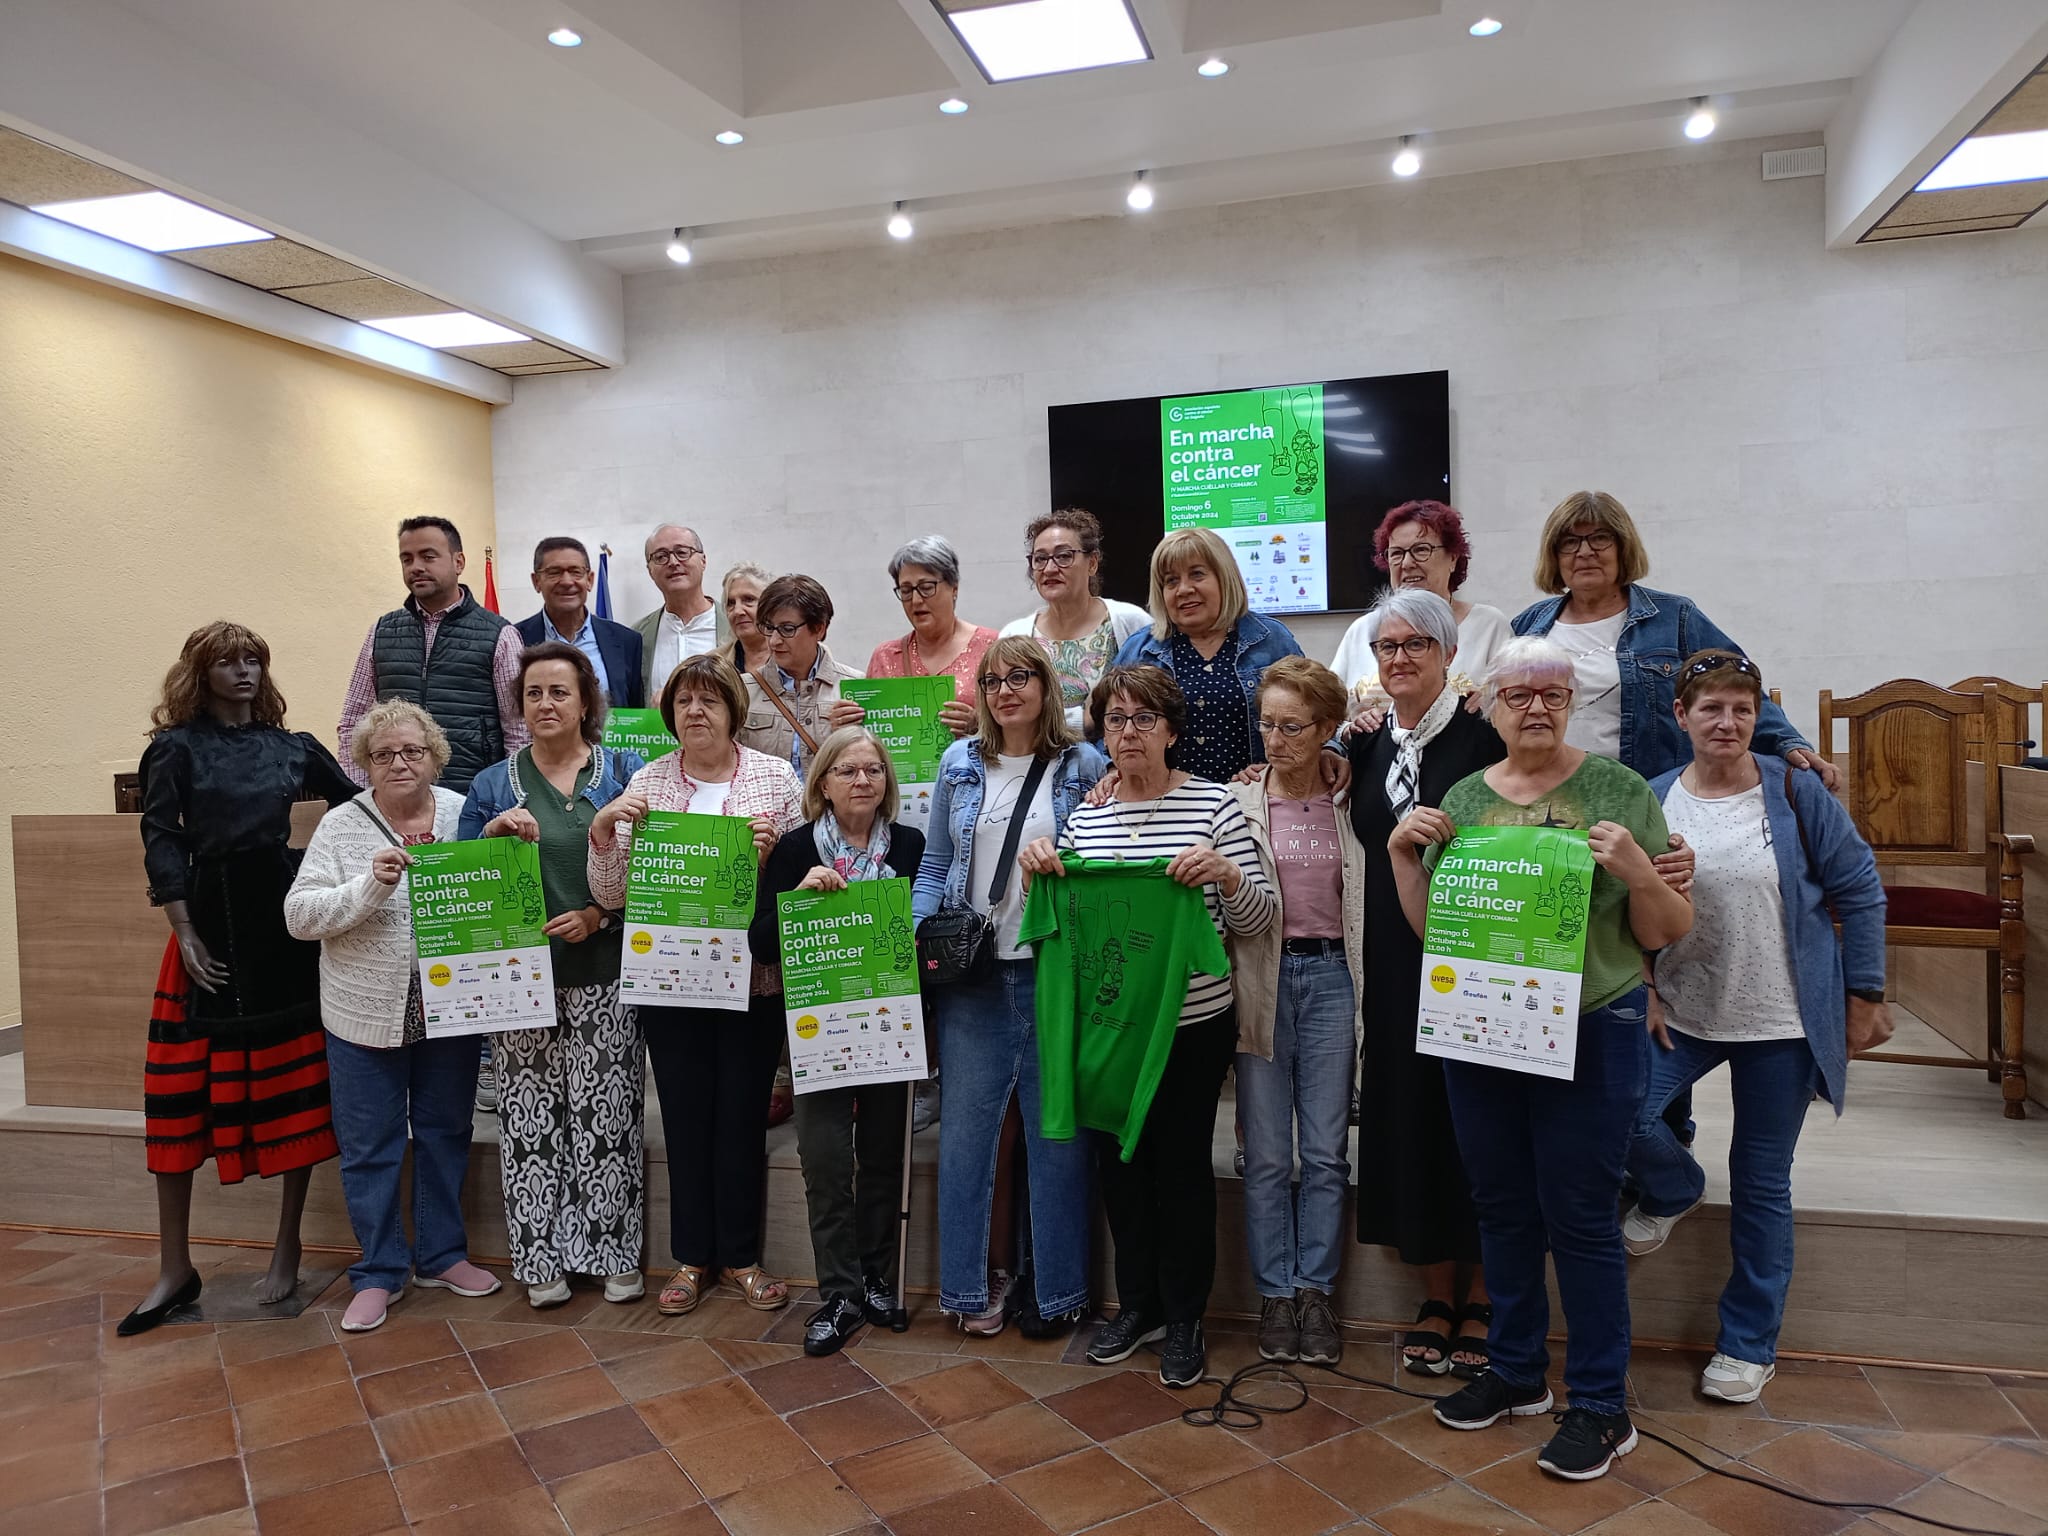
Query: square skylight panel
{"type": "Point", "coordinates": [1989, 160]}
{"type": "Point", "coordinates": [456, 328]}
{"type": "Point", "coordinates": [156, 221]}
{"type": "Point", "coordinates": [1049, 37]}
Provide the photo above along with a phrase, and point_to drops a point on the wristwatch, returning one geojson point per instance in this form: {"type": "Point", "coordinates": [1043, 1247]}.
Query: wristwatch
{"type": "Point", "coordinates": [605, 921]}
{"type": "Point", "coordinates": [1867, 994]}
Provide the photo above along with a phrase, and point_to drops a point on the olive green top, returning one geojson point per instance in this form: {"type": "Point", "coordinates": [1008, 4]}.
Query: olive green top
{"type": "Point", "coordinates": [564, 881]}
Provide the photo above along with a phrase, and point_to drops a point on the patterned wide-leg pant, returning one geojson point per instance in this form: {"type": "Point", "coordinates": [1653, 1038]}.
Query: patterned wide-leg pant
{"type": "Point", "coordinates": [570, 1103]}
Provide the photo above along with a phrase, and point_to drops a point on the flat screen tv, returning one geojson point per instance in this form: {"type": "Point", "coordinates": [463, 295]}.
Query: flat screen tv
{"type": "Point", "coordinates": [1294, 478]}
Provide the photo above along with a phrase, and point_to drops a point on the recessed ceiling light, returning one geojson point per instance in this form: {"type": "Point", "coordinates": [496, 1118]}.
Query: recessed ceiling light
{"type": "Point", "coordinates": [1702, 122]}
{"type": "Point", "coordinates": [1049, 37]}
{"type": "Point", "coordinates": [900, 227]}
{"type": "Point", "coordinates": [566, 37]}
{"type": "Point", "coordinates": [1485, 26]}
{"type": "Point", "coordinates": [952, 106]}
{"type": "Point", "coordinates": [1990, 159]}
{"type": "Point", "coordinates": [678, 250]}
{"type": "Point", "coordinates": [156, 221]}
{"type": "Point", "coordinates": [1212, 69]}
{"type": "Point", "coordinates": [729, 137]}
{"type": "Point", "coordinates": [457, 328]}
{"type": "Point", "coordinates": [1407, 162]}
{"type": "Point", "coordinates": [1139, 198]}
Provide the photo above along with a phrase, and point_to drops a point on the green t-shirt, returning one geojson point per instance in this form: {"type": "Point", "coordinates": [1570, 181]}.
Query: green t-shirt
{"type": "Point", "coordinates": [564, 876]}
{"type": "Point", "coordinates": [1600, 790]}
{"type": "Point", "coordinates": [1116, 945]}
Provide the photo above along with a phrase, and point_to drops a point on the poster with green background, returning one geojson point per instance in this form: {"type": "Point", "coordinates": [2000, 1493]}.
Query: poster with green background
{"type": "Point", "coordinates": [638, 730]}
{"type": "Point", "coordinates": [903, 712]}
{"type": "Point", "coordinates": [690, 886]}
{"type": "Point", "coordinates": [1248, 464]}
{"type": "Point", "coordinates": [849, 980]}
{"type": "Point", "coordinates": [477, 921]}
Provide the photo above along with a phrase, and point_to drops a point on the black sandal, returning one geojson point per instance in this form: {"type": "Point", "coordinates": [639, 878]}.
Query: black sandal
{"type": "Point", "coordinates": [1465, 1344]}
{"type": "Point", "coordinates": [1422, 1338]}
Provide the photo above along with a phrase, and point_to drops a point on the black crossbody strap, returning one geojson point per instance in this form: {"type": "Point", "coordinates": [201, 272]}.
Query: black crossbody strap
{"type": "Point", "coordinates": [378, 822]}
{"type": "Point", "coordinates": [1015, 831]}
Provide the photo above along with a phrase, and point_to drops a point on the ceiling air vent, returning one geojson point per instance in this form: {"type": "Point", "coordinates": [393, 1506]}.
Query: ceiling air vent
{"type": "Point", "coordinates": [1784, 164]}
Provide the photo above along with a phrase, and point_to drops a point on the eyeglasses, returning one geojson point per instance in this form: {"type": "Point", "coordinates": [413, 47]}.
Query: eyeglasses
{"type": "Point", "coordinates": [1144, 722]}
{"type": "Point", "coordinates": [911, 589]}
{"type": "Point", "coordinates": [1014, 680]}
{"type": "Point", "coordinates": [786, 631]}
{"type": "Point", "coordinates": [557, 572]}
{"type": "Point", "coordinates": [1599, 543]}
{"type": "Point", "coordinates": [679, 554]}
{"type": "Point", "coordinates": [846, 773]}
{"type": "Point", "coordinates": [1061, 557]}
{"type": "Point", "coordinates": [1708, 664]}
{"type": "Point", "coordinates": [1288, 728]}
{"type": "Point", "coordinates": [1419, 553]}
{"type": "Point", "coordinates": [383, 756]}
{"type": "Point", "coordinates": [1414, 645]}
{"type": "Point", "coordinates": [1554, 699]}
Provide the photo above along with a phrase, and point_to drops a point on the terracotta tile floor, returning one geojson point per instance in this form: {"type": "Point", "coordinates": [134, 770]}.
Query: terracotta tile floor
{"type": "Point", "coordinates": [484, 1416]}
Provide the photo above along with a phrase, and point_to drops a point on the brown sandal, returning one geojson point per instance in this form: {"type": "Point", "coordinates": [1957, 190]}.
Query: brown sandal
{"type": "Point", "coordinates": [684, 1290]}
{"type": "Point", "coordinates": [758, 1289]}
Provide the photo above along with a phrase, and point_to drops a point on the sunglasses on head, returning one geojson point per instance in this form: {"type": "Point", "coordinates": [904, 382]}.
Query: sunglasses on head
{"type": "Point", "coordinates": [1708, 664]}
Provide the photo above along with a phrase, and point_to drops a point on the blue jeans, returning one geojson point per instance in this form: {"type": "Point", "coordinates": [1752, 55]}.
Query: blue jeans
{"type": "Point", "coordinates": [376, 1093]}
{"type": "Point", "coordinates": [1304, 1091]}
{"type": "Point", "coordinates": [1545, 1159]}
{"type": "Point", "coordinates": [1773, 1082]}
{"type": "Point", "coordinates": [989, 1043]}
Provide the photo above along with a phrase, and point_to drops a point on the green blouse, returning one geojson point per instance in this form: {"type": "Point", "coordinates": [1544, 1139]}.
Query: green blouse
{"type": "Point", "coordinates": [564, 882]}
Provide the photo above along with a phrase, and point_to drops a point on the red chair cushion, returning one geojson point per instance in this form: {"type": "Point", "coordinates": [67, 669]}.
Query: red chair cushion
{"type": "Point", "coordinates": [1928, 906]}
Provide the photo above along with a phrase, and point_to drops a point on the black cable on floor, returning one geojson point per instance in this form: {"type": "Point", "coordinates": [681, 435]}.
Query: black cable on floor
{"type": "Point", "coordinates": [1231, 1411]}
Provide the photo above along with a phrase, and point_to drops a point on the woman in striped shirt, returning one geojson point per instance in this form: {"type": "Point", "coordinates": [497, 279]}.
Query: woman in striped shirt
{"type": "Point", "coordinates": [1162, 1202]}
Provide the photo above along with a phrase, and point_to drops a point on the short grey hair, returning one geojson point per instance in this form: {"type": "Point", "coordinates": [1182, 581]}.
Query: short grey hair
{"type": "Point", "coordinates": [931, 551]}
{"type": "Point", "coordinates": [647, 545]}
{"type": "Point", "coordinates": [1529, 661]}
{"type": "Point", "coordinates": [1422, 611]}
{"type": "Point", "coordinates": [746, 570]}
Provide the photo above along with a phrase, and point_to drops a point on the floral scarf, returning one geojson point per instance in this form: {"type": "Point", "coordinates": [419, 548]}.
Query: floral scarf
{"type": "Point", "coordinates": [869, 863]}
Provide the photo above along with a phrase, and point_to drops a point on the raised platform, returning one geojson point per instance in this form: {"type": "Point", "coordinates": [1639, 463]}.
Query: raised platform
{"type": "Point", "coordinates": [1923, 1218]}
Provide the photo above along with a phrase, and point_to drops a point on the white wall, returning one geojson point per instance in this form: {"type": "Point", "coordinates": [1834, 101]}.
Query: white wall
{"type": "Point", "coordinates": [1841, 455]}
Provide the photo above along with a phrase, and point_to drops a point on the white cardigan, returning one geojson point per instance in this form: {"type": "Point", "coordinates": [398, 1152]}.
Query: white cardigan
{"type": "Point", "coordinates": [364, 926]}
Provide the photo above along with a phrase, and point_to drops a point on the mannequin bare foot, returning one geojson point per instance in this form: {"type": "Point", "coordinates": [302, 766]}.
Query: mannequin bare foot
{"type": "Point", "coordinates": [283, 1277]}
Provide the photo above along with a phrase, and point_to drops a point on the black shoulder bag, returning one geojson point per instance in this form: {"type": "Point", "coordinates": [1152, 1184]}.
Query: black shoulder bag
{"type": "Point", "coordinates": [958, 944]}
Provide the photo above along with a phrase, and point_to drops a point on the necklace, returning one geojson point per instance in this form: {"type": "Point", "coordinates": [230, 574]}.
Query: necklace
{"type": "Point", "coordinates": [1117, 811]}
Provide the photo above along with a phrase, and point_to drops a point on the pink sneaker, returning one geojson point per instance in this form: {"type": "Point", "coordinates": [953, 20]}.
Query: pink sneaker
{"type": "Point", "coordinates": [464, 1279]}
{"type": "Point", "coordinates": [367, 1310]}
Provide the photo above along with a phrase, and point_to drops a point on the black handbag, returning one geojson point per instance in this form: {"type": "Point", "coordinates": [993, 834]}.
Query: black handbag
{"type": "Point", "coordinates": [958, 944]}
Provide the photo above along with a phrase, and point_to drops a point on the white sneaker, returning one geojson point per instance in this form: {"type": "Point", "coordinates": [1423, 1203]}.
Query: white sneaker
{"type": "Point", "coordinates": [630, 1286]}
{"type": "Point", "coordinates": [1643, 1233]}
{"type": "Point", "coordinates": [550, 1295]}
{"type": "Point", "coordinates": [1735, 1381]}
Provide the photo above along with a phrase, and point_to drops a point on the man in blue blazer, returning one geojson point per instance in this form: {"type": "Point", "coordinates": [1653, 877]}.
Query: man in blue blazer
{"type": "Point", "coordinates": [563, 578]}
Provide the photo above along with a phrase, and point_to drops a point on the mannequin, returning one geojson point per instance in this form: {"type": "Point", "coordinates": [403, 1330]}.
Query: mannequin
{"type": "Point", "coordinates": [237, 1064]}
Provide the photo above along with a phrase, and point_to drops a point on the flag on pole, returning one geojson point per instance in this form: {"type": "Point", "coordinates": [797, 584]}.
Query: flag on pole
{"type": "Point", "coordinates": [490, 582]}
{"type": "Point", "coordinates": [604, 581]}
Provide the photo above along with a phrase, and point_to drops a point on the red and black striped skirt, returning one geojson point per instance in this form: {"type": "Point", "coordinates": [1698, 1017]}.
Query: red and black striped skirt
{"type": "Point", "coordinates": [248, 1091]}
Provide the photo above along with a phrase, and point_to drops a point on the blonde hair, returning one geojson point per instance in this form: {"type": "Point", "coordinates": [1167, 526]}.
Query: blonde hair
{"type": "Point", "coordinates": [1315, 684]}
{"type": "Point", "coordinates": [1051, 736]}
{"type": "Point", "coordinates": [830, 750]}
{"type": "Point", "coordinates": [1195, 546]}
{"type": "Point", "coordinates": [390, 715]}
{"type": "Point", "coordinates": [1631, 560]}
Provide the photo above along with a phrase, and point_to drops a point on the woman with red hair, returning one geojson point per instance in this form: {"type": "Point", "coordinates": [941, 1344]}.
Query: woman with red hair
{"type": "Point", "coordinates": [1422, 544]}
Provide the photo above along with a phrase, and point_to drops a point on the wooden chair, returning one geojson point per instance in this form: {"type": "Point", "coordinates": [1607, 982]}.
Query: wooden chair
{"type": "Point", "coordinates": [2011, 731]}
{"type": "Point", "coordinates": [1906, 774]}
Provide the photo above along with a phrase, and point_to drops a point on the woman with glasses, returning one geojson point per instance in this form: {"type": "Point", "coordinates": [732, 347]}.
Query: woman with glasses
{"type": "Point", "coordinates": [1162, 1201]}
{"type": "Point", "coordinates": [1626, 641]}
{"type": "Point", "coordinates": [987, 1028]}
{"type": "Point", "coordinates": [1421, 545]}
{"type": "Point", "coordinates": [925, 576]}
{"type": "Point", "coordinates": [1545, 1154]}
{"type": "Point", "coordinates": [1762, 983]}
{"type": "Point", "coordinates": [1080, 629]}
{"type": "Point", "coordinates": [850, 1139]}
{"type": "Point", "coordinates": [793, 698]}
{"type": "Point", "coordinates": [1417, 1199]}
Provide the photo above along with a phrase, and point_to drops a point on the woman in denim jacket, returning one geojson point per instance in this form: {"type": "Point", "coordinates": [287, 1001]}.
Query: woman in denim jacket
{"type": "Point", "coordinates": [1626, 641]}
{"type": "Point", "coordinates": [988, 1029]}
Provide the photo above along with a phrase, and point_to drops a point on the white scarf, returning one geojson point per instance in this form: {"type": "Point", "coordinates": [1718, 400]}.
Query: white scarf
{"type": "Point", "coordinates": [1404, 777]}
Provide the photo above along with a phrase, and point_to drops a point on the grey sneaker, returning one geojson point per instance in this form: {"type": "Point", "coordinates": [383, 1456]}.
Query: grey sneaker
{"type": "Point", "coordinates": [487, 1084]}
{"type": "Point", "coordinates": [1321, 1342]}
{"type": "Point", "coordinates": [1279, 1333]}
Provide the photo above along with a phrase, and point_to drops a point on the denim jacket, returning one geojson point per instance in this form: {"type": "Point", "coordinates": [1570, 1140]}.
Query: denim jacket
{"type": "Point", "coordinates": [1826, 875]}
{"type": "Point", "coordinates": [497, 789]}
{"type": "Point", "coordinates": [1260, 642]}
{"type": "Point", "coordinates": [956, 806]}
{"type": "Point", "coordinates": [1662, 630]}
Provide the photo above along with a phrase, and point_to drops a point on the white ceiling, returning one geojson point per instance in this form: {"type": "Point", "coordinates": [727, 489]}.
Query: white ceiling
{"type": "Point", "coordinates": [611, 143]}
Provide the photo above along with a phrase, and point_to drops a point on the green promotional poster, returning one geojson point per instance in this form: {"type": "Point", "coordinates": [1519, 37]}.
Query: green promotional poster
{"type": "Point", "coordinates": [1505, 947]}
{"type": "Point", "coordinates": [638, 730]}
{"type": "Point", "coordinates": [477, 916]}
{"type": "Point", "coordinates": [904, 713]}
{"type": "Point", "coordinates": [849, 979]}
{"type": "Point", "coordinates": [1249, 465]}
{"type": "Point", "coordinates": [689, 897]}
